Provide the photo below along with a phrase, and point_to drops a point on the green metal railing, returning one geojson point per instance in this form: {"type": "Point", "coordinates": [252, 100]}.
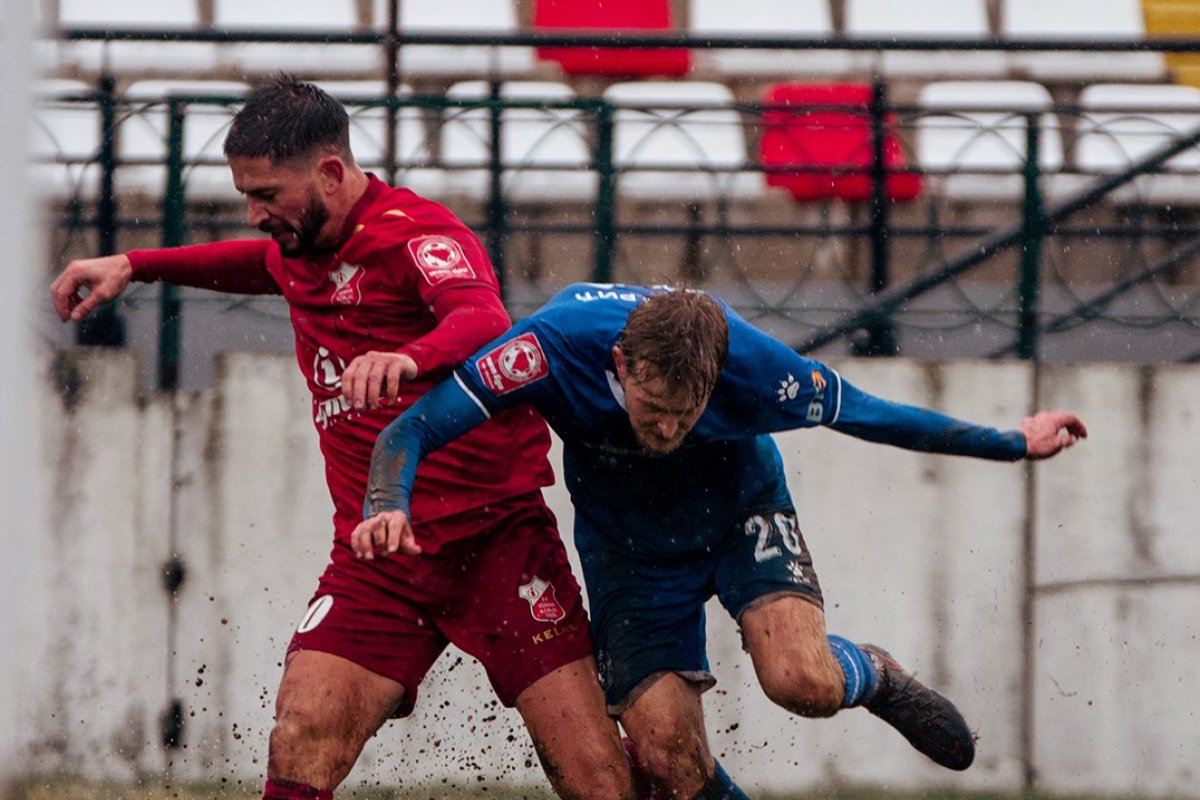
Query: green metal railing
{"type": "Point", "coordinates": [1027, 236]}
{"type": "Point", "coordinates": [877, 315]}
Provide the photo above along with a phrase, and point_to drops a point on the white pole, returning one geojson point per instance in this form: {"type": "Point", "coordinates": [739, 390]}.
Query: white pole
{"type": "Point", "coordinates": [19, 388]}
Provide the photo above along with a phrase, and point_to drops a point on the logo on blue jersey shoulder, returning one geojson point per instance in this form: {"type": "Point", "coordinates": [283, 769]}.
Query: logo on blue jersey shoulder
{"type": "Point", "coordinates": [789, 389]}
{"type": "Point", "coordinates": [816, 406]}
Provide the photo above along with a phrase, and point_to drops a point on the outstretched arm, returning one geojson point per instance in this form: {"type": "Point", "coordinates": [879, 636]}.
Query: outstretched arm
{"type": "Point", "coordinates": [233, 266]}
{"type": "Point", "coordinates": [872, 418]}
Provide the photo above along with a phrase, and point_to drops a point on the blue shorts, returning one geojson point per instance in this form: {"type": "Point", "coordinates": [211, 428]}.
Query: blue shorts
{"type": "Point", "coordinates": [647, 615]}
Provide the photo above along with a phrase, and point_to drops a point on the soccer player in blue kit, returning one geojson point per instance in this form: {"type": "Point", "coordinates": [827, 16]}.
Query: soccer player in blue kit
{"type": "Point", "coordinates": [664, 400]}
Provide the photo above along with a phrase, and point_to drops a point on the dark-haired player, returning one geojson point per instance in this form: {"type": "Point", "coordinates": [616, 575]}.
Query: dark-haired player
{"type": "Point", "coordinates": [387, 291]}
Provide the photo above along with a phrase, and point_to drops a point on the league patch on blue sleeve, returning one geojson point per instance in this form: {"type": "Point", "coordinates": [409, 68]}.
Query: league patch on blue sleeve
{"type": "Point", "coordinates": [510, 365]}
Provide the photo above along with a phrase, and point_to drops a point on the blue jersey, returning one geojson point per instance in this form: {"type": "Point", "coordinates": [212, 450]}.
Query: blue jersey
{"type": "Point", "coordinates": [560, 361]}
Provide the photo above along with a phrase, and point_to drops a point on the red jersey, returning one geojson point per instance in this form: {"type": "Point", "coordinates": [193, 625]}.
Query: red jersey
{"type": "Point", "coordinates": [405, 266]}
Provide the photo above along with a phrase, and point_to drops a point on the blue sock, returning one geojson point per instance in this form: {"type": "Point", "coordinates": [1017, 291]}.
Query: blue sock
{"type": "Point", "coordinates": [720, 787]}
{"type": "Point", "coordinates": [861, 678]}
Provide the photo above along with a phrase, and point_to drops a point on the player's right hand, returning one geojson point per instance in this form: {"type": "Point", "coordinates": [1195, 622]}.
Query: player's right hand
{"type": "Point", "coordinates": [104, 278]}
{"type": "Point", "coordinates": [373, 379]}
{"type": "Point", "coordinates": [385, 533]}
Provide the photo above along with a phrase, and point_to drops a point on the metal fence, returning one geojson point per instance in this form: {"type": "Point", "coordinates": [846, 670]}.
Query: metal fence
{"type": "Point", "coordinates": [1049, 259]}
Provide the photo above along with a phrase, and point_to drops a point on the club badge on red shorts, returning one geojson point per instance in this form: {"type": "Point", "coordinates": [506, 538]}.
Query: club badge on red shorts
{"type": "Point", "coordinates": [542, 603]}
{"type": "Point", "coordinates": [439, 258]}
{"type": "Point", "coordinates": [518, 362]}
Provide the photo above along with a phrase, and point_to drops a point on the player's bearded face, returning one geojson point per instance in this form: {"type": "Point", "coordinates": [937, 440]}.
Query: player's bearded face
{"type": "Point", "coordinates": [283, 200]}
{"type": "Point", "coordinates": [299, 237]}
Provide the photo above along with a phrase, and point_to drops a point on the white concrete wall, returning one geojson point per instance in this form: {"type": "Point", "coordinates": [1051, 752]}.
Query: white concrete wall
{"type": "Point", "coordinates": [921, 554]}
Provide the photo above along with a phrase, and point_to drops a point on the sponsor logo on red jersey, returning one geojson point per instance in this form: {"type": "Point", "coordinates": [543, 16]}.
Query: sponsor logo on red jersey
{"type": "Point", "coordinates": [327, 374]}
{"type": "Point", "coordinates": [516, 363]}
{"type": "Point", "coordinates": [542, 603]}
{"type": "Point", "coordinates": [346, 279]}
{"type": "Point", "coordinates": [439, 258]}
{"type": "Point", "coordinates": [327, 369]}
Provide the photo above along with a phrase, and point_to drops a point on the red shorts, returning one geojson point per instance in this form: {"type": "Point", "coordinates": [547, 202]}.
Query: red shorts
{"type": "Point", "coordinates": [505, 596]}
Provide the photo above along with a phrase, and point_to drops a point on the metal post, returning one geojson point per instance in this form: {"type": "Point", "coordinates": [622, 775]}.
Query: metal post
{"type": "Point", "coordinates": [1033, 229]}
{"type": "Point", "coordinates": [174, 227]}
{"type": "Point", "coordinates": [392, 60]}
{"type": "Point", "coordinates": [606, 197]}
{"type": "Point", "coordinates": [496, 208]}
{"type": "Point", "coordinates": [1027, 710]}
{"type": "Point", "coordinates": [881, 333]}
{"type": "Point", "coordinates": [106, 204]}
{"type": "Point", "coordinates": [105, 327]}
{"type": "Point", "coordinates": [172, 719]}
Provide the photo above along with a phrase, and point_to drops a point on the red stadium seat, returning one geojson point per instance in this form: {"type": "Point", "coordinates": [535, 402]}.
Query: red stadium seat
{"type": "Point", "coordinates": [823, 132]}
{"type": "Point", "coordinates": [610, 15]}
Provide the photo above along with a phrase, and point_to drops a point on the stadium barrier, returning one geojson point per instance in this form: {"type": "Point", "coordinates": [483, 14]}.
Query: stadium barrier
{"type": "Point", "coordinates": [183, 534]}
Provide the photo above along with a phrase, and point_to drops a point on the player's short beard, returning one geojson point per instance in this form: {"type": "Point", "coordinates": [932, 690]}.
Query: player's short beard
{"type": "Point", "coordinates": [305, 232]}
{"type": "Point", "coordinates": [652, 445]}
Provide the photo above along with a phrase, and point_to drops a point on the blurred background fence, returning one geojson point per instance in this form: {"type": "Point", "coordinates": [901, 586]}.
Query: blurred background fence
{"type": "Point", "coordinates": [967, 179]}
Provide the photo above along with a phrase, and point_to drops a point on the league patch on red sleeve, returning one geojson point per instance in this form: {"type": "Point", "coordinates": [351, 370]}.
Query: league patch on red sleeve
{"type": "Point", "coordinates": [518, 362]}
{"type": "Point", "coordinates": [439, 258]}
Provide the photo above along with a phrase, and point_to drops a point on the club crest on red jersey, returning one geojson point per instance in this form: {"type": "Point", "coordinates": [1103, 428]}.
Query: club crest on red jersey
{"type": "Point", "coordinates": [439, 258]}
{"type": "Point", "coordinates": [346, 279]}
{"type": "Point", "coordinates": [516, 363]}
{"type": "Point", "coordinates": [542, 603]}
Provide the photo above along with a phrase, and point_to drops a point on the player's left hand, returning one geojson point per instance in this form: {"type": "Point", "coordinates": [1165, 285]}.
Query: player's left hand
{"type": "Point", "coordinates": [385, 533]}
{"type": "Point", "coordinates": [1048, 433]}
{"type": "Point", "coordinates": [373, 379]}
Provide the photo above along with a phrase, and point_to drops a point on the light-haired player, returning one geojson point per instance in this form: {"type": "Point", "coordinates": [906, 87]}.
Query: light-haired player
{"type": "Point", "coordinates": [664, 401]}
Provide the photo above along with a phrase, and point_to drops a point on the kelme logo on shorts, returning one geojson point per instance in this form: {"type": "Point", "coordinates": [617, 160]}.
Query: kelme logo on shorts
{"type": "Point", "coordinates": [316, 613]}
{"type": "Point", "coordinates": [542, 603]}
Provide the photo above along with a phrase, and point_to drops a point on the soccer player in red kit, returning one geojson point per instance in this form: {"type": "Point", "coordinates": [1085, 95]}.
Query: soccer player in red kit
{"type": "Point", "coordinates": [388, 291]}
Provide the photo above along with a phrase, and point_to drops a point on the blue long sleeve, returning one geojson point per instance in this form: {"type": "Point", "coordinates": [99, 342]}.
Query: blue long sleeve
{"type": "Point", "coordinates": [877, 420]}
{"type": "Point", "coordinates": [445, 413]}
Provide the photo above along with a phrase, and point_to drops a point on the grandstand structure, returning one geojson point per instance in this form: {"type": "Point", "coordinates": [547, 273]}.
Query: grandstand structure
{"type": "Point", "coordinates": [937, 178]}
